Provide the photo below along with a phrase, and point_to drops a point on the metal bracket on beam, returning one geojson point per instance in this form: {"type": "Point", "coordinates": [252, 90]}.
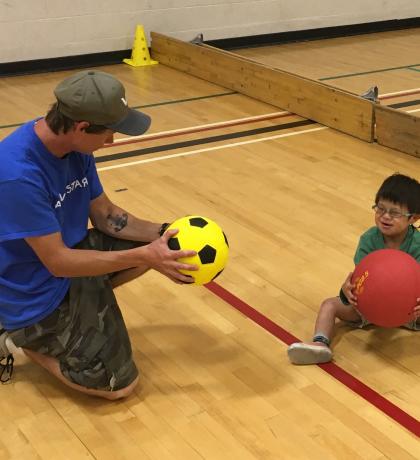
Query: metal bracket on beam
{"type": "Point", "coordinates": [198, 40]}
{"type": "Point", "coordinates": [371, 94]}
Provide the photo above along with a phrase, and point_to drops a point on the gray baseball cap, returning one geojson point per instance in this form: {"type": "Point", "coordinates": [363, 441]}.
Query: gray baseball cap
{"type": "Point", "coordinates": [99, 98]}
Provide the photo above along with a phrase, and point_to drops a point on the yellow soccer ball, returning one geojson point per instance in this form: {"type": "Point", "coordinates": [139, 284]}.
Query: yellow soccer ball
{"type": "Point", "coordinates": [204, 236]}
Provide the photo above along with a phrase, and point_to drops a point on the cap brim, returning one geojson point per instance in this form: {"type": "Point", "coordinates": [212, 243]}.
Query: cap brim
{"type": "Point", "coordinates": [133, 124]}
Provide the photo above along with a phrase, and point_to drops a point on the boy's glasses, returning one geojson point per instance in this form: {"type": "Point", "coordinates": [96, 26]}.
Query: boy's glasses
{"type": "Point", "coordinates": [392, 213]}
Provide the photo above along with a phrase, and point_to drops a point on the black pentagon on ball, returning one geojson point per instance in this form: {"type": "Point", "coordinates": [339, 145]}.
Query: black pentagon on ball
{"type": "Point", "coordinates": [207, 255]}
{"type": "Point", "coordinates": [173, 244]}
{"type": "Point", "coordinates": [198, 222]}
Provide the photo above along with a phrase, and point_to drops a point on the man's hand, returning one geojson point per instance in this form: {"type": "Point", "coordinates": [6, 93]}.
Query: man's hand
{"type": "Point", "coordinates": [164, 260]}
{"type": "Point", "coordinates": [348, 290]}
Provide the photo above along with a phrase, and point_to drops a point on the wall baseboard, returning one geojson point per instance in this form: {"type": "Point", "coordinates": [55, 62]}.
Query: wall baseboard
{"type": "Point", "coordinates": [314, 34]}
{"type": "Point", "coordinates": [116, 57]}
{"type": "Point", "coordinates": [63, 63]}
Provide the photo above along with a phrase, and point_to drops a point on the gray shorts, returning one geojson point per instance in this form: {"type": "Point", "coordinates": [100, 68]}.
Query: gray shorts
{"type": "Point", "coordinates": [87, 333]}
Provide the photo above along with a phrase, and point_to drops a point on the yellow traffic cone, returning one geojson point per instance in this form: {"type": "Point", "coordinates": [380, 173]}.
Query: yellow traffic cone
{"type": "Point", "coordinates": [140, 53]}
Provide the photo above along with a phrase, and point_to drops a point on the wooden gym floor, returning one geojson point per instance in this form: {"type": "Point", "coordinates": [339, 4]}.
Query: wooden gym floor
{"type": "Point", "coordinates": [293, 197]}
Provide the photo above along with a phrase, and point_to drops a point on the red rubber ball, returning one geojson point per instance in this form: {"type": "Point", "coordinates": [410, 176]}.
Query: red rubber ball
{"type": "Point", "coordinates": [387, 285]}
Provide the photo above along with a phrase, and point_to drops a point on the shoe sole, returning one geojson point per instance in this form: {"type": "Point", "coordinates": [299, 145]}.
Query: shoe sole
{"type": "Point", "coordinates": [303, 353]}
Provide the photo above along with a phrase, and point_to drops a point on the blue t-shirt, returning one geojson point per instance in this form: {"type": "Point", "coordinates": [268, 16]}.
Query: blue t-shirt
{"type": "Point", "coordinates": [40, 194]}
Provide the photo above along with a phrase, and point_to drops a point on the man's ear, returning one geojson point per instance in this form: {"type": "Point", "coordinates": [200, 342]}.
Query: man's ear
{"type": "Point", "coordinates": [81, 125]}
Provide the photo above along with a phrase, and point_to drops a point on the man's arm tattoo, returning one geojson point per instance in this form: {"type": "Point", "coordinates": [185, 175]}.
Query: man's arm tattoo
{"type": "Point", "coordinates": [118, 222]}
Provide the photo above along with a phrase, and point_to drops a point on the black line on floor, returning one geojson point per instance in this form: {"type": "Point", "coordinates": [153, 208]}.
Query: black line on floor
{"type": "Point", "coordinates": [206, 140]}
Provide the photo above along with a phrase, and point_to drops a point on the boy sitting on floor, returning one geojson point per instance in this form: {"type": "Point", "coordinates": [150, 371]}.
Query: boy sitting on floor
{"type": "Point", "coordinates": [397, 208]}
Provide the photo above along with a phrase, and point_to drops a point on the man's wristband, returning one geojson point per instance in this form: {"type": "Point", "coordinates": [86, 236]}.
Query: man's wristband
{"type": "Point", "coordinates": [163, 228]}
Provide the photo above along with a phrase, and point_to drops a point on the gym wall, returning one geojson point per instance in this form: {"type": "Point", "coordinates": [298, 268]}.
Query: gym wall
{"type": "Point", "coordinates": [46, 29]}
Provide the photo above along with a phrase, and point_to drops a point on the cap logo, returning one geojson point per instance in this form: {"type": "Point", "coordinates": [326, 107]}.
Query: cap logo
{"type": "Point", "coordinates": [124, 101]}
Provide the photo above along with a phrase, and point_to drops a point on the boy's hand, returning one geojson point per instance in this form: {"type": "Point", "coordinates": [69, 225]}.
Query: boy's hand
{"type": "Point", "coordinates": [348, 290]}
{"type": "Point", "coordinates": [417, 310]}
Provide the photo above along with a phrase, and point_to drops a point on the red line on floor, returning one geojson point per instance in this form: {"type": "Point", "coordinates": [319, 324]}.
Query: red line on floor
{"type": "Point", "coordinates": [401, 94]}
{"type": "Point", "coordinates": [351, 382]}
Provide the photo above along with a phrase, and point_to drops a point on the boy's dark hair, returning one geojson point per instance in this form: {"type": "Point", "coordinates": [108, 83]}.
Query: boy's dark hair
{"type": "Point", "coordinates": [402, 190]}
{"type": "Point", "coordinates": [58, 122]}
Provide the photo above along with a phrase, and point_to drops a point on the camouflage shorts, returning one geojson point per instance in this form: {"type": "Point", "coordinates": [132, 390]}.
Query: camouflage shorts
{"type": "Point", "coordinates": [87, 333]}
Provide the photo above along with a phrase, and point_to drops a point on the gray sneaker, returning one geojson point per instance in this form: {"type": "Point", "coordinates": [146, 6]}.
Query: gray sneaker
{"type": "Point", "coordinates": [306, 353]}
{"type": "Point", "coordinates": [6, 358]}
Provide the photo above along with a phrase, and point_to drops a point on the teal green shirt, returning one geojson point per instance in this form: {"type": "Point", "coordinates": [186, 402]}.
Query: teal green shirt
{"type": "Point", "coordinates": [373, 240]}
